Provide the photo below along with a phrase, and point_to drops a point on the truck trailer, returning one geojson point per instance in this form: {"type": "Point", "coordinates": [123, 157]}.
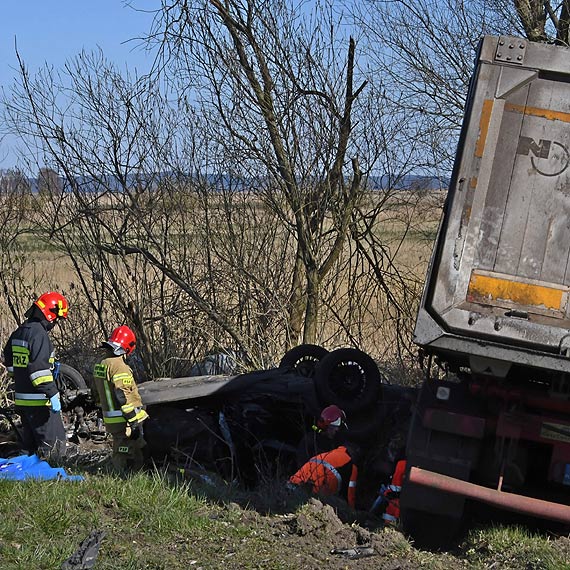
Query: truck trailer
{"type": "Point", "coordinates": [492, 419]}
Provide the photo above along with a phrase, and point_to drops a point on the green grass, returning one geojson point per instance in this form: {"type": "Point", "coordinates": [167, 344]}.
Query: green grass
{"type": "Point", "coordinates": [152, 521]}
{"type": "Point", "coordinates": [513, 547]}
{"type": "Point", "coordinates": [149, 523]}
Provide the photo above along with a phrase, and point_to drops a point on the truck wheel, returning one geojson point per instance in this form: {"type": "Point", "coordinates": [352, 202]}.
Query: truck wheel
{"type": "Point", "coordinates": [303, 359]}
{"type": "Point", "coordinates": [348, 378]}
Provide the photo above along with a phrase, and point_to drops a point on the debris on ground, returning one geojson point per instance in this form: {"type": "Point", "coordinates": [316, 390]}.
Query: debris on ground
{"type": "Point", "coordinates": [85, 556]}
{"type": "Point", "coordinates": [354, 553]}
{"type": "Point", "coordinates": [25, 467]}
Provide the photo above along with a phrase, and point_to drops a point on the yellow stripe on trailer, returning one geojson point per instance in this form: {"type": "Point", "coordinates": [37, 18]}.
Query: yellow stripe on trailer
{"type": "Point", "coordinates": [492, 290]}
{"type": "Point", "coordinates": [484, 126]}
{"type": "Point", "coordinates": [536, 112]}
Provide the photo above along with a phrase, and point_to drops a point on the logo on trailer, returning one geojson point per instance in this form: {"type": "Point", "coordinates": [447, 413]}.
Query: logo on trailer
{"type": "Point", "coordinates": [548, 158]}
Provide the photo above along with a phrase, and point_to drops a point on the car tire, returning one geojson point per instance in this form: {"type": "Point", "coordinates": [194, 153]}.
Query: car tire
{"type": "Point", "coordinates": [71, 378]}
{"type": "Point", "coordinates": [348, 378]}
{"type": "Point", "coordinates": [303, 359]}
{"type": "Point", "coordinates": [70, 384]}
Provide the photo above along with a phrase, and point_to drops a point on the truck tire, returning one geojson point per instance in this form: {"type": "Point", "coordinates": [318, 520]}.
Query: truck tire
{"type": "Point", "coordinates": [303, 359]}
{"type": "Point", "coordinates": [424, 509]}
{"type": "Point", "coordinates": [348, 378]}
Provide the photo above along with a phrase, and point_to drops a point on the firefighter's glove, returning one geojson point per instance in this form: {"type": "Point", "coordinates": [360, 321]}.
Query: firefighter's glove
{"type": "Point", "coordinates": [134, 432]}
{"type": "Point", "coordinates": [55, 403]}
{"type": "Point", "coordinates": [389, 494]}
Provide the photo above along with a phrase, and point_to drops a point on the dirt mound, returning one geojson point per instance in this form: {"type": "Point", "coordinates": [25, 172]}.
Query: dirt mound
{"type": "Point", "coordinates": [315, 537]}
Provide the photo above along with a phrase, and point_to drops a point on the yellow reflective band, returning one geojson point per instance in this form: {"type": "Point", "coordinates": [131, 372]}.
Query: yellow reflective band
{"type": "Point", "coordinates": [141, 415]}
{"type": "Point", "coordinates": [123, 377]}
{"type": "Point", "coordinates": [127, 408]}
{"type": "Point", "coordinates": [548, 114]}
{"type": "Point", "coordinates": [484, 123]}
{"type": "Point", "coordinates": [28, 403]}
{"type": "Point", "coordinates": [110, 403]}
{"type": "Point", "coordinates": [42, 380]}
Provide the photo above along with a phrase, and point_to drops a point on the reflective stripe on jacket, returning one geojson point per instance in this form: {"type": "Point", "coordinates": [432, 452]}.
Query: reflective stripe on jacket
{"type": "Point", "coordinates": [330, 473]}
{"type": "Point", "coordinates": [118, 394]}
{"type": "Point", "coordinates": [29, 358]}
{"type": "Point", "coordinates": [392, 512]}
{"type": "Point", "coordinates": [35, 399]}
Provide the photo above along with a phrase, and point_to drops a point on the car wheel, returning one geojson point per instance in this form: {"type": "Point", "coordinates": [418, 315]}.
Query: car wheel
{"type": "Point", "coordinates": [348, 378]}
{"type": "Point", "coordinates": [70, 384]}
{"type": "Point", "coordinates": [303, 359]}
{"type": "Point", "coordinates": [70, 378]}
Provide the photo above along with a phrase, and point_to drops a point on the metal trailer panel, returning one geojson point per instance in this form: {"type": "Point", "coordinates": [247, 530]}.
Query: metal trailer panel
{"type": "Point", "coordinates": [499, 279]}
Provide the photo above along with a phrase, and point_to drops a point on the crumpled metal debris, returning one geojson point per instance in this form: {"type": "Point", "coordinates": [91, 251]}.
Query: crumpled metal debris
{"type": "Point", "coordinates": [85, 556]}
{"type": "Point", "coordinates": [354, 553]}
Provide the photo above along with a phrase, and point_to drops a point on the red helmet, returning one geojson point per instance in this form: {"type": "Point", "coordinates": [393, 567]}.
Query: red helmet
{"type": "Point", "coordinates": [331, 416]}
{"type": "Point", "coordinates": [53, 305]}
{"type": "Point", "coordinates": [121, 341]}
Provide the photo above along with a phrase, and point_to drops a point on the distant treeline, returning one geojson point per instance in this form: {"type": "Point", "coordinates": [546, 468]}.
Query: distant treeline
{"type": "Point", "coordinates": [225, 182]}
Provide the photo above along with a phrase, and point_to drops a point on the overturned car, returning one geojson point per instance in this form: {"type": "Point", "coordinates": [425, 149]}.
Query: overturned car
{"type": "Point", "coordinates": [248, 427]}
{"type": "Point", "coordinates": [251, 426]}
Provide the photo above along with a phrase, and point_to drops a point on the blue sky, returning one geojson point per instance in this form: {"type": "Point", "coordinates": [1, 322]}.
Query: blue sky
{"type": "Point", "coordinates": [53, 31]}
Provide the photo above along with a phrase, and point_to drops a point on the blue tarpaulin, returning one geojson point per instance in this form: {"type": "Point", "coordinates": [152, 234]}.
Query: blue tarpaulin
{"type": "Point", "coordinates": [32, 467]}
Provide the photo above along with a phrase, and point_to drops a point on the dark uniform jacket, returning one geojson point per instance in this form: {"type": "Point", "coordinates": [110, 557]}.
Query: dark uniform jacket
{"type": "Point", "coordinates": [29, 357]}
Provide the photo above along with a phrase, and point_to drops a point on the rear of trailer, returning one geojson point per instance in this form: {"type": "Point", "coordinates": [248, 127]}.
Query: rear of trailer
{"type": "Point", "coordinates": [495, 314]}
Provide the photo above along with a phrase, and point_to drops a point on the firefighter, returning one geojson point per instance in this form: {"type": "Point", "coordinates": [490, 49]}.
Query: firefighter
{"type": "Point", "coordinates": [330, 473]}
{"type": "Point", "coordinates": [121, 404]}
{"type": "Point", "coordinates": [388, 500]}
{"type": "Point", "coordinates": [328, 432]}
{"type": "Point", "coordinates": [29, 357]}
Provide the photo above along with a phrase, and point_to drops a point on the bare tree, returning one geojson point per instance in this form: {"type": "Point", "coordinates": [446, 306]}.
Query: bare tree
{"type": "Point", "coordinates": [16, 200]}
{"type": "Point", "coordinates": [425, 51]}
{"type": "Point", "coordinates": [282, 95]}
{"type": "Point", "coordinates": [235, 199]}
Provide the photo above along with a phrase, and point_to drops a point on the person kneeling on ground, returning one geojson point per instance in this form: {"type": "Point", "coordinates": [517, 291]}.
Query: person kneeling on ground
{"type": "Point", "coordinates": [330, 473]}
{"type": "Point", "coordinates": [123, 412]}
{"type": "Point", "coordinates": [388, 501]}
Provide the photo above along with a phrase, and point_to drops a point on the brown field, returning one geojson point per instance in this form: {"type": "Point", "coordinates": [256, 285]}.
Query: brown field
{"type": "Point", "coordinates": [405, 228]}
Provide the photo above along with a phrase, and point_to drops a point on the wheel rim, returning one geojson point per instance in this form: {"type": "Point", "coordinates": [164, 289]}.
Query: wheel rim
{"type": "Point", "coordinates": [348, 379]}
{"type": "Point", "coordinates": [306, 366]}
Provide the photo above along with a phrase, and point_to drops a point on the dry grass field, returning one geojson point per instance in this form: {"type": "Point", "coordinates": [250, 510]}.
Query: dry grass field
{"type": "Point", "coordinates": [355, 308]}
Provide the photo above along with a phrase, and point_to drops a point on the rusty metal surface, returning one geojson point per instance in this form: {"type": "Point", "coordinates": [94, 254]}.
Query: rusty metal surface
{"type": "Point", "coordinates": [501, 499]}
